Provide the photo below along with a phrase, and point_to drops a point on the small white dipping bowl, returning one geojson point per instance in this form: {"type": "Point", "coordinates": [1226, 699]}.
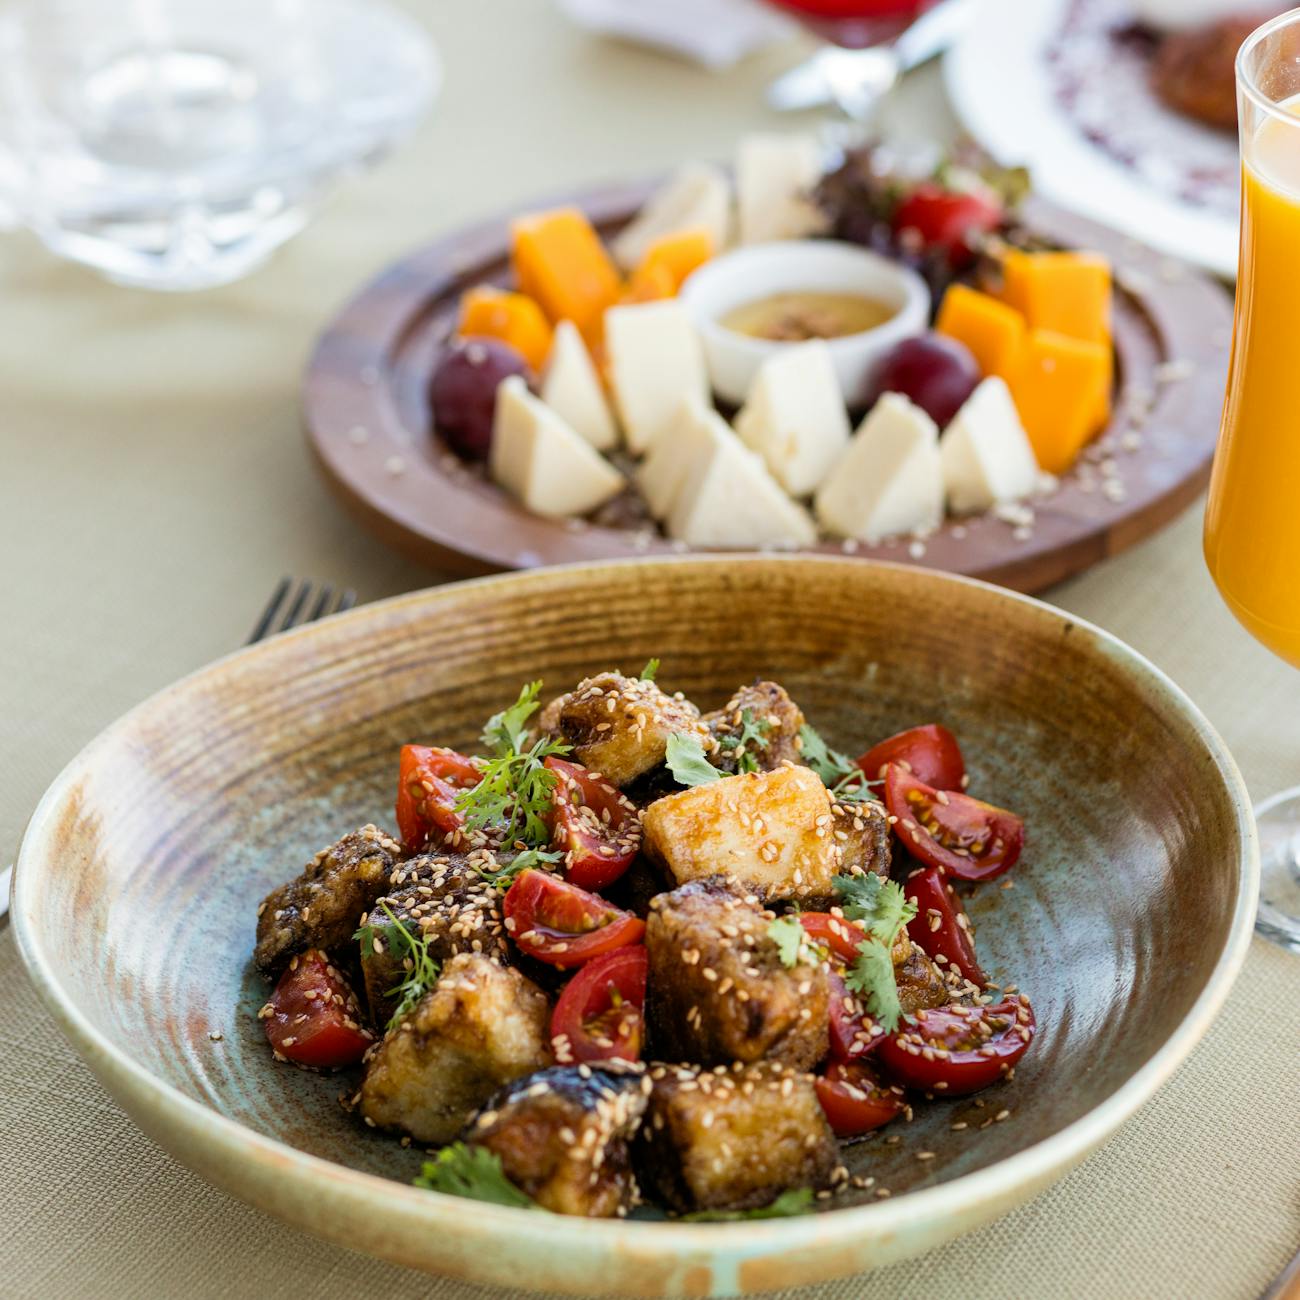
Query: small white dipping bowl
{"type": "Point", "coordinates": [793, 266]}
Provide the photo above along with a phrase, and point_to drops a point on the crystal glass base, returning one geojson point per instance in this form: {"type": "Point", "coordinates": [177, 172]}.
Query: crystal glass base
{"type": "Point", "coordinates": [175, 144]}
{"type": "Point", "coordinates": [1278, 819]}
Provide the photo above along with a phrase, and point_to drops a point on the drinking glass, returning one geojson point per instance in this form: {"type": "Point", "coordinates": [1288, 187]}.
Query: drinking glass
{"type": "Point", "coordinates": [1252, 522]}
{"type": "Point", "coordinates": [172, 144]}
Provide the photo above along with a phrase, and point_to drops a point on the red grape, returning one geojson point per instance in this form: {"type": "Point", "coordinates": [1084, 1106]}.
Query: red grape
{"type": "Point", "coordinates": [463, 391]}
{"type": "Point", "coordinates": [935, 372]}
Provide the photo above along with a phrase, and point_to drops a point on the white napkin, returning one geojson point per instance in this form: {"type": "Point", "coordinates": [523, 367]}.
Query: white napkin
{"type": "Point", "coordinates": [715, 33]}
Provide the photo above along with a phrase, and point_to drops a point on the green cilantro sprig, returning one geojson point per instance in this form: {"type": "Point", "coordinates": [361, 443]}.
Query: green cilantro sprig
{"type": "Point", "coordinates": [882, 909]}
{"type": "Point", "coordinates": [514, 794]}
{"type": "Point", "coordinates": [421, 974]}
{"type": "Point", "coordinates": [473, 1172]}
{"type": "Point", "coordinates": [751, 736]}
{"type": "Point", "coordinates": [798, 1200]}
{"type": "Point", "coordinates": [841, 775]}
{"type": "Point", "coordinates": [650, 669]}
{"type": "Point", "coordinates": [506, 875]}
{"type": "Point", "coordinates": [686, 761]}
{"type": "Point", "coordinates": [789, 936]}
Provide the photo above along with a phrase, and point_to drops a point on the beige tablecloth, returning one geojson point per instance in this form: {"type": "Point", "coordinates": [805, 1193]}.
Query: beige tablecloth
{"type": "Point", "coordinates": [153, 485]}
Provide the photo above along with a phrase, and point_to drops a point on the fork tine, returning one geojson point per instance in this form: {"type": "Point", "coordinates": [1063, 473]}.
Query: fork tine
{"type": "Point", "coordinates": [322, 605]}
{"type": "Point", "coordinates": [293, 615]}
{"type": "Point", "coordinates": [347, 598]}
{"type": "Point", "coordinates": [263, 628]}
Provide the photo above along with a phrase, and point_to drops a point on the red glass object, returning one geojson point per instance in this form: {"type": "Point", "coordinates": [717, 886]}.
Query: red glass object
{"type": "Point", "coordinates": [855, 24]}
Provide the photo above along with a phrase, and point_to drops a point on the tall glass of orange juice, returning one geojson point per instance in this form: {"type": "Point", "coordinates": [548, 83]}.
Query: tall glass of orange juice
{"type": "Point", "coordinates": [1252, 522]}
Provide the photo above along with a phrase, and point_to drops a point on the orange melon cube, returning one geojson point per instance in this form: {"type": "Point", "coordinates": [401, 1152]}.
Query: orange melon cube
{"type": "Point", "coordinates": [676, 255]}
{"type": "Point", "coordinates": [559, 261]}
{"type": "Point", "coordinates": [994, 332]}
{"type": "Point", "coordinates": [648, 283]}
{"type": "Point", "coordinates": [512, 318]}
{"type": "Point", "coordinates": [1061, 390]}
{"type": "Point", "coordinates": [1066, 292]}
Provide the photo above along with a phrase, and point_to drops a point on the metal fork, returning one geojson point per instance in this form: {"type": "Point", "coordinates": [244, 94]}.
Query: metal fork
{"type": "Point", "coordinates": [293, 603]}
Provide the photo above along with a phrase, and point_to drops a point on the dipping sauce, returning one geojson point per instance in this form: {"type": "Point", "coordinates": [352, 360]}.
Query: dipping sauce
{"type": "Point", "coordinates": [807, 314]}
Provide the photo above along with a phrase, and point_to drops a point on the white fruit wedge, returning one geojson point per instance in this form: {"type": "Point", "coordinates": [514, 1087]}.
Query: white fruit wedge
{"type": "Point", "coordinates": [538, 458]}
{"type": "Point", "coordinates": [775, 175]}
{"type": "Point", "coordinates": [986, 455]}
{"type": "Point", "coordinates": [697, 194]}
{"type": "Point", "coordinates": [794, 416]}
{"type": "Point", "coordinates": [731, 500]}
{"type": "Point", "coordinates": [655, 363]}
{"type": "Point", "coordinates": [889, 478]}
{"type": "Point", "coordinates": [572, 389]}
{"type": "Point", "coordinates": [671, 463]}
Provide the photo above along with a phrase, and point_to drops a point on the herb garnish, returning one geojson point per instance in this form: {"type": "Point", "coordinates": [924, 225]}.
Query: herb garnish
{"type": "Point", "coordinates": [650, 669]}
{"type": "Point", "coordinates": [686, 761]}
{"type": "Point", "coordinates": [474, 1172]}
{"type": "Point", "coordinates": [752, 735]}
{"type": "Point", "coordinates": [798, 1200]}
{"type": "Point", "coordinates": [789, 936]}
{"type": "Point", "coordinates": [525, 858]}
{"type": "Point", "coordinates": [514, 794]}
{"type": "Point", "coordinates": [842, 776]}
{"type": "Point", "coordinates": [421, 974]}
{"type": "Point", "coordinates": [881, 907]}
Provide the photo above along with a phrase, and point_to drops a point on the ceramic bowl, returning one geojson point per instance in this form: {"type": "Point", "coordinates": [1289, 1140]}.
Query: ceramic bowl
{"type": "Point", "coordinates": [791, 266]}
{"type": "Point", "coordinates": [1131, 910]}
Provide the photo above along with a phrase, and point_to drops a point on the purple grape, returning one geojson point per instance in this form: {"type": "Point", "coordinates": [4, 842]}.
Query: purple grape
{"type": "Point", "coordinates": [463, 391]}
{"type": "Point", "coordinates": [935, 372]}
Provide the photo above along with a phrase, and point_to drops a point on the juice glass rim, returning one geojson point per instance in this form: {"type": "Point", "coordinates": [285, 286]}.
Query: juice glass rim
{"type": "Point", "coordinates": [1246, 83]}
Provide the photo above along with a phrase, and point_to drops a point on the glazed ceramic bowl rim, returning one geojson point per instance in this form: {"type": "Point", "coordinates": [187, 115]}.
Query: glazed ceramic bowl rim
{"type": "Point", "coordinates": [1040, 1161]}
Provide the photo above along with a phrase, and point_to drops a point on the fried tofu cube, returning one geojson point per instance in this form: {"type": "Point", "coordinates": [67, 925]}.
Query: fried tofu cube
{"type": "Point", "coordinates": [482, 1025]}
{"type": "Point", "coordinates": [563, 1136]}
{"type": "Point", "coordinates": [321, 907]}
{"type": "Point", "coordinates": [619, 726]}
{"type": "Point", "coordinates": [772, 832]}
{"type": "Point", "coordinates": [764, 708]}
{"type": "Point", "coordinates": [445, 898]}
{"type": "Point", "coordinates": [732, 1141]}
{"type": "Point", "coordinates": [921, 984]}
{"type": "Point", "coordinates": [717, 989]}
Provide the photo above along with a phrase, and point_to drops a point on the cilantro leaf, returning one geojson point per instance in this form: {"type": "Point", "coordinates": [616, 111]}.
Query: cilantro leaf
{"type": "Point", "coordinates": [505, 877]}
{"type": "Point", "coordinates": [505, 731]}
{"type": "Point", "coordinates": [798, 1200]}
{"type": "Point", "coordinates": [650, 669]}
{"type": "Point", "coordinates": [877, 903]}
{"type": "Point", "coordinates": [475, 1172]}
{"type": "Point", "coordinates": [789, 936]}
{"type": "Point", "coordinates": [686, 761]}
{"type": "Point", "coordinates": [421, 969]}
{"type": "Point", "coordinates": [872, 976]}
{"type": "Point", "coordinates": [828, 763]}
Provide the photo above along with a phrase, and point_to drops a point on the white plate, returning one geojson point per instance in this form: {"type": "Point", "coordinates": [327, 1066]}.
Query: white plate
{"type": "Point", "coordinates": [1001, 87]}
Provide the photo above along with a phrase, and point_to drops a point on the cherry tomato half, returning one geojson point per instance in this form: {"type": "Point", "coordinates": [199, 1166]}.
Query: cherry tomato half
{"type": "Point", "coordinates": [562, 925]}
{"type": "Point", "coordinates": [596, 827]}
{"type": "Point", "coordinates": [960, 835]}
{"type": "Point", "coordinates": [312, 1017]}
{"type": "Point", "coordinates": [854, 1034]}
{"type": "Point", "coordinates": [952, 220]}
{"type": "Point", "coordinates": [429, 781]}
{"type": "Point", "coordinates": [600, 1014]}
{"type": "Point", "coordinates": [841, 937]}
{"type": "Point", "coordinates": [930, 753]}
{"type": "Point", "coordinates": [956, 1049]}
{"type": "Point", "coordinates": [940, 927]}
{"type": "Point", "coordinates": [856, 1100]}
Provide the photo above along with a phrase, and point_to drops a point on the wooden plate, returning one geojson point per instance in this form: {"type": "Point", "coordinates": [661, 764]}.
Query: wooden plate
{"type": "Point", "coordinates": [368, 424]}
